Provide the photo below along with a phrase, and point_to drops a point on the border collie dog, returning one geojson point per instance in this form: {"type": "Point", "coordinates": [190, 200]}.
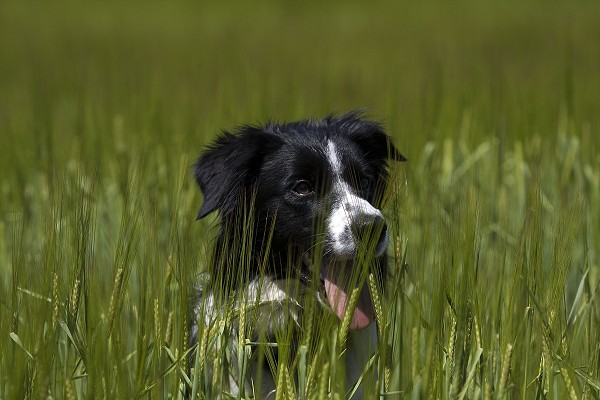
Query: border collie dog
{"type": "Point", "coordinates": [299, 206]}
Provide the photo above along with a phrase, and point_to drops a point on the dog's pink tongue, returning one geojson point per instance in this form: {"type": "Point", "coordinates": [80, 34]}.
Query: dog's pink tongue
{"type": "Point", "coordinates": [338, 297]}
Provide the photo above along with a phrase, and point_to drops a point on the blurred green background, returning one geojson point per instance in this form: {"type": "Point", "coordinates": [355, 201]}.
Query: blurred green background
{"type": "Point", "coordinates": [174, 74]}
{"type": "Point", "coordinates": [105, 106]}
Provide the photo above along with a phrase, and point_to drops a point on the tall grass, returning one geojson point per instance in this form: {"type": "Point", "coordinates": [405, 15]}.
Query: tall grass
{"type": "Point", "coordinates": [496, 216]}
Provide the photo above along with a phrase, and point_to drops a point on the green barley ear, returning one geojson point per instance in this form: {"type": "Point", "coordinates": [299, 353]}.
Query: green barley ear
{"type": "Point", "coordinates": [169, 328]}
{"type": "Point", "coordinates": [568, 383]}
{"type": "Point", "coordinates": [200, 361]}
{"type": "Point", "coordinates": [376, 298]}
{"type": "Point", "coordinates": [414, 352]}
{"type": "Point", "coordinates": [381, 330]}
{"type": "Point", "coordinates": [157, 324]}
{"type": "Point", "coordinates": [451, 358]}
{"type": "Point", "coordinates": [69, 392]}
{"type": "Point", "coordinates": [347, 318]}
{"type": "Point", "coordinates": [290, 389]}
{"type": "Point", "coordinates": [115, 299]}
{"type": "Point", "coordinates": [55, 301]}
{"type": "Point", "coordinates": [74, 301]}
{"type": "Point", "coordinates": [324, 381]}
{"type": "Point", "coordinates": [504, 374]}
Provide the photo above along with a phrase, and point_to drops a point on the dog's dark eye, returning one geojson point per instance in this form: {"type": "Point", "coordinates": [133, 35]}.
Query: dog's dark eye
{"type": "Point", "coordinates": [303, 188]}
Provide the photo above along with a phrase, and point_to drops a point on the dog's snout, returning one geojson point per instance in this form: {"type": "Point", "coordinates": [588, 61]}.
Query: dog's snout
{"type": "Point", "coordinates": [369, 227]}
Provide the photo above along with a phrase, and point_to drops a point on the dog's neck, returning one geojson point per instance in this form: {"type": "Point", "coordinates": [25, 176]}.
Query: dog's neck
{"type": "Point", "coordinates": [254, 258]}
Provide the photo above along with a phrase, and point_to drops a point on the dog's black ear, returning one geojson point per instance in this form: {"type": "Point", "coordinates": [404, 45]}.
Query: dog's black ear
{"type": "Point", "coordinates": [377, 144]}
{"type": "Point", "coordinates": [370, 137]}
{"type": "Point", "coordinates": [229, 167]}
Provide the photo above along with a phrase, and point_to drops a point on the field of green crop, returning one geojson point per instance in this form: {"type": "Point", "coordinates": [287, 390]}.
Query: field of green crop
{"type": "Point", "coordinates": [496, 215]}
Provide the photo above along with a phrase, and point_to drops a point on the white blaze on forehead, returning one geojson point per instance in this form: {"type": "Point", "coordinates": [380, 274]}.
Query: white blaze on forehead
{"type": "Point", "coordinates": [332, 156]}
{"type": "Point", "coordinates": [346, 208]}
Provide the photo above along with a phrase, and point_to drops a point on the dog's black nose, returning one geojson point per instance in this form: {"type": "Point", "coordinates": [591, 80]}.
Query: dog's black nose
{"type": "Point", "coordinates": [369, 227]}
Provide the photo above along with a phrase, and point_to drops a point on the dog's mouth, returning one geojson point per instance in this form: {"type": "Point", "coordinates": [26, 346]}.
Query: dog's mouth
{"type": "Point", "coordinates": [336, 288]}
{"type": "Point", "coordinates": [339, 289]}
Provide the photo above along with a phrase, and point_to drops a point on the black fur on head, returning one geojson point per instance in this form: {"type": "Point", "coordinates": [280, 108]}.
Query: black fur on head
{"type": "Point", "coordinates": [258, 167]}
{"type": "Point", "coordinates": [230, 167]}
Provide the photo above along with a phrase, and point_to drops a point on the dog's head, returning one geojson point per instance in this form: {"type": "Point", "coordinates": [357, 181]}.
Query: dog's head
{"type": "Point", "coordinates": [310, 184]}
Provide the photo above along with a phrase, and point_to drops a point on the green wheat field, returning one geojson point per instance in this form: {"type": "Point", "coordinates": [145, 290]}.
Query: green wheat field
{"type": "Point", "coordinates": [495, 261]}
